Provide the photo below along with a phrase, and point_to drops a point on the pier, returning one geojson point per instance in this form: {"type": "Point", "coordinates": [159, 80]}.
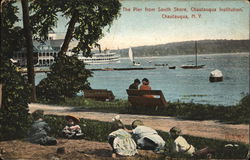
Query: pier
{"type": "Point", "coordinates": [45, 70]}
{"type": "Point", "coordinates": [120, 69]}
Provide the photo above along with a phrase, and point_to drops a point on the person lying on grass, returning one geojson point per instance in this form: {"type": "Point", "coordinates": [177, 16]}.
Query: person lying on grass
{"type": "Point", "coordinates": [72, 130]}
{"type": "Point", "coordinates": [146, 137]}
{"type": "Point", "coordinates": [182, 146]}
{"type": "Point", "coordinates": [39, 129]}
{"type": "Point", "coordinates": [121, 141]}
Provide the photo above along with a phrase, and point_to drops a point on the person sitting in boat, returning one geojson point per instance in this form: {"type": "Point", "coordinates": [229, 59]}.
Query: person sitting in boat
{"type": "Point", "coordinates": [145, 86]}
{"type": "Point", "coordinates": [146, 137]}
{"type": "Point", "coordinates": [180, 145]}
{"type": "Point", "coordinates": [121, 141]}
{"type": "Point", "coordinates": [72, 130]}
{"type": "Point", "coordinates": [38, 132]}
{"type": "Point", "coordinates": [135, 84]}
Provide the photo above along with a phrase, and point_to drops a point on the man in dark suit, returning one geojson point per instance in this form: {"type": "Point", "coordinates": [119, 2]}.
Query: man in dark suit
{"type": "Point", "coordinates": [135, 84]}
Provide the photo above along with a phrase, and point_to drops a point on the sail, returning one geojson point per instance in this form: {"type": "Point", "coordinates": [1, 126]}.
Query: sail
{"type": "Point", "coordinates": [130, 54]}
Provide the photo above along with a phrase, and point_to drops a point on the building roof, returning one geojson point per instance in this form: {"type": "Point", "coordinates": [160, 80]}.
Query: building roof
{"type": "Point", "coordinates": [47, 46]}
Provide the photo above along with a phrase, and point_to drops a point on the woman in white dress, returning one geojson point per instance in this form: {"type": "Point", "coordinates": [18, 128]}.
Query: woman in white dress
{"type": "Point", "coordinates": [121, 141]}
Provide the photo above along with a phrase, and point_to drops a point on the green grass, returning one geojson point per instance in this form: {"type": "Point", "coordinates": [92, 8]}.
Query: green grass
{"type": "Point", "coordinates": [92, 105]}
{"type": "Point", "coordinates": [189, 111]}
{"type": "Point", "coordinates": [98, 131]}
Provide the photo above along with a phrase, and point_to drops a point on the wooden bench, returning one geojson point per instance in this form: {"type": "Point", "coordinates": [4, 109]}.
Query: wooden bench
{"type": "Point", "coordinates": [99, 94]}
{"type": "Point", "coordinates": [137, 99]}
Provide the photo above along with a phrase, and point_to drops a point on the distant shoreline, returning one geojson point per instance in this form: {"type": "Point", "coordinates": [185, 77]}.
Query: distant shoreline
{"type": "Point", "coordinates": [188, 47]}
{"type": "Point", "coordinates": [207, 54]}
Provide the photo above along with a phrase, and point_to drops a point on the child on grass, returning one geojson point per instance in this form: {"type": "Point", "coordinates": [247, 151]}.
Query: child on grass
{"type": "Point", "coordinates": [146, 137]}
{"type": "Point", "coordinates": [182, 146]}
{"type": "Point", "coordinates": [72, 130]}
{"type": "Point", "coordinates": [121, 141]}
{"type": "Point", "coordinates": [39, 129]}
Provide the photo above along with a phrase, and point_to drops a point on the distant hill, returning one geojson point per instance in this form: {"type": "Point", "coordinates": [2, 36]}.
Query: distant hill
{"type": "Point", "coordinates": [188, 47]}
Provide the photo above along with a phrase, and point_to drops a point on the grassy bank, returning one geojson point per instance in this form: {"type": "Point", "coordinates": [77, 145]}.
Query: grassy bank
{"type": "Point", "coordinates": [98, 131]}
{"type": "Point", "coordinates": [116, 106]}
{"type": "Point", "coordinates": [230, 114]}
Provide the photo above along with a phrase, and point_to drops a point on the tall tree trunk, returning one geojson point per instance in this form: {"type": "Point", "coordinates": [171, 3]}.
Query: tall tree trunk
{"type": "Point", "coordinates": [29, 46]}
{"type": "Point", "coordinates": [1, 21]}
{"type": "Point", "coordinates": [68, 35]}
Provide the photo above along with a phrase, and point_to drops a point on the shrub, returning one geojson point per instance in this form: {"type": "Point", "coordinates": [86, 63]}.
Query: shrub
{"type": "Point", "coordinates": [14, 110]}
{"type": "Point", "coordinates": [68, 76]}
{"type": "Point", "coordinates": [241, 112]}
{"type": "Point", "coordinates": [245, 101]}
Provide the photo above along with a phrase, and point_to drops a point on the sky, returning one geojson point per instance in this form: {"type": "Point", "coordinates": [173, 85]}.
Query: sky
{"type": "Point", "coordinates": [139, 26]}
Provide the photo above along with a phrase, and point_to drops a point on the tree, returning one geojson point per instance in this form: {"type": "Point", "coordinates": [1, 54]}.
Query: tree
{"type": "Point", "coordinates": [87, 19]}
{"type": "Point", "coordinates": [10, 35]}
{"type": "Point", "coordinates": [68, 77]}
{"type": "Point", "coordinates": [14, 119]}
{"type": "Point", "coordinates": [12, 38]}
{"type": "Point", "coordinates": [29, 47]}
{"type": "Point", "coordinates": [14, 109]}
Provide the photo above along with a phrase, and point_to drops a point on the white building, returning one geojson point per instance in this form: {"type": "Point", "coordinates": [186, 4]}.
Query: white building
{"type": "Point", "coordinates": [44, 52]}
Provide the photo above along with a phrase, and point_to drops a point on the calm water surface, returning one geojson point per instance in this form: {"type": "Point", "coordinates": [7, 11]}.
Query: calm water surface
{"type": "Point", "coordinates": [186, 85]}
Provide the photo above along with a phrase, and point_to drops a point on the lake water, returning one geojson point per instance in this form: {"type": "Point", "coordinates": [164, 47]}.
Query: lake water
{"type": "Point", "coordinates": [186, 85]}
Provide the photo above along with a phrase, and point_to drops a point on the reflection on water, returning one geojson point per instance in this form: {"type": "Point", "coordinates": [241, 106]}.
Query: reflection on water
{"type": "Point", "coordinates": [179, 84]}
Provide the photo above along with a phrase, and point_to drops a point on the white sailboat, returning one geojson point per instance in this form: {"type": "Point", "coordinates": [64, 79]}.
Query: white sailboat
{"type": "Point", "coordinates": [131, 57]}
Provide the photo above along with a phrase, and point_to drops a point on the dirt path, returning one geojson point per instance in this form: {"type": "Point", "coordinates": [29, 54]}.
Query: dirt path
{"type": "Point", "coordinates": [208, 129]}
{"type": "Point", "coordinates": [74, 150]}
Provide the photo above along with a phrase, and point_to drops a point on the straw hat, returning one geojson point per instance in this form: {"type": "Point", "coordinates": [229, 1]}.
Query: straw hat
{"type": "Point", "coordinates": [75, 119]}
{"type": "Point", "coordinates": [116, 118]}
